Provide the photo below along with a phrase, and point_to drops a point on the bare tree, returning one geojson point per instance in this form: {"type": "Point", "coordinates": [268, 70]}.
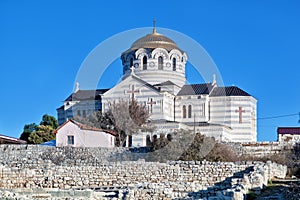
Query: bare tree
{"type": "Point", "coordinates": [129, 118]}
{"type": "Point", "coordinates": [125, 118]}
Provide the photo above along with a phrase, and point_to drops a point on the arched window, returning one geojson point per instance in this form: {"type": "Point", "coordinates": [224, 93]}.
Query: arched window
{"type": "Point", "coordinates": [144, 62]}
{"type": "Point", "coordinates": [131, 62]}
{"type": "Point", "coordinates": [190, 111]}
{"type": "Point", "coordinates": [174, 64]}
{"type": "Point", "coordinates": [203, 109]}
{"type": "Point", "coordinates": [184, 111]}
{"type": "Point", "coordinates": [160, 62]}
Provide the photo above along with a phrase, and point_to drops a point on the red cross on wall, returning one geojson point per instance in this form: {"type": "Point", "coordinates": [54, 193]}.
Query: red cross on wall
{"type": "Point", "coordinates": [151, 103]}
{"type": "Point", "coordinates": [132, 91]}
{"type": "Point", "coordinates": [240, 111]}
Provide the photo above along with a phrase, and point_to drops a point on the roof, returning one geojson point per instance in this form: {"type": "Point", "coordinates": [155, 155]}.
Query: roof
{"type": "Point", "coordinates": [145, 83]}
{"type": "Point", "coordinates": [86, 95]}
{"type": "Point", "coordinates": [288, 130]}
{"type": "Point", "coordinates": [61, 107]}
{"type": "Point", "coordinates": [165, 83]}
{"type": "Point", "coordinates": [204, 124]}
{"type": "Point", "coordinates": [84, 127]}
{"type": "Point", "coordinates": [10, 140]}
{"type": "Point", "coordinates": [153, 41]}
{"type": "Point", "coordinates": [195, 89]}
{"type": "Point", "coordinates": [228, 91]}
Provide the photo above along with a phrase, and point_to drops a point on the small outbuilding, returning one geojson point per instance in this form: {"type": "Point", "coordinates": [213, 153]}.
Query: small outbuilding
{"type": "Point", "coordinates": [75, 134]}
{"type": "Point", "coordinates": [288, 134]}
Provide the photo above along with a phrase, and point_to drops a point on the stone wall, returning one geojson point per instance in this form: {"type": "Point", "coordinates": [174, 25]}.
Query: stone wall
{"type": "Point", "coordinates": [259, 149]}
{"type": "Point", "coordinates": [101, 169]}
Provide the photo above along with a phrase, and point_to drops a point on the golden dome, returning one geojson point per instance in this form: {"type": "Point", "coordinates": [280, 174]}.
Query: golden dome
{"type": "Point", "coordinates": [153, 41]}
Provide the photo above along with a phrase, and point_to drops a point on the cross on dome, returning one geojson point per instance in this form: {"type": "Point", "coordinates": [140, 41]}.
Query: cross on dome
{"type": "Point", "coordinates": [154, 26]}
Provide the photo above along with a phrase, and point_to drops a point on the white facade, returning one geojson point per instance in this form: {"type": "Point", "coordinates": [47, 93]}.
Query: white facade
{"type": "Point", "coordinates": [227, 118]}
{"type": "Point", "coordinates": [236, 112]}
{"type": "Point", "coordinates": [74, 134]}
{"type": "Point", "coordinates": [154, 75]}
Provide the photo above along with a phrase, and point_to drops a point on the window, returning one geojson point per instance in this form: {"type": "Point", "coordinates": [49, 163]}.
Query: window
{"type": "Point", "coordinates": [129, 141]}
{"type": "Point", "coordinates": [144, 62]}
{"type": "Point", "coordinates": [78, 113]}
{"type": "Point", "coordinates": [148, 141]}
{"type": "Point", "coordinates": [84, 114]}
{"type": "Point", "coordinates": [131, 62]}
{"type": "Point", "coordinates": [174, 64]}
{"type": "Point", "coordinates": [160, 62]}
{"type": "Point", "coordinates": [190, 111]}
{"type": "Point", "coordinates": [70, 139]}
{"type": "Point", "coordinates": [184, 111]}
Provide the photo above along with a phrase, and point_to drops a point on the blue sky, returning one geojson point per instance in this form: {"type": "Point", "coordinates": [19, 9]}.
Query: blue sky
{"type": "Point", "coordinates": [255, 45]}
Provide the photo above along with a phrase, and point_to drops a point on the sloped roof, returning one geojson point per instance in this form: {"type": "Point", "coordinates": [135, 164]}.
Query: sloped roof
{"type": "Point", "coordinates": [228, 91]}
{"type": "Point", "coordinates": [86, 95]}
{"type": "Point", "coordinates": [204, 124]}
{"type": "Point", "coordinates": [195, 89]}
{"type": "Point", "coordinates": [11, 140]}
{"type": "Point", "coordinates": [84, 127]}
{"type": "Point", "coordinates": [61, 107]}
{"type": "Point", "coordinates": [165, 83]}
{"type": "Point", "coordinates": [288, 130]}
{"type": "Point", "coordinates": [145, 83]}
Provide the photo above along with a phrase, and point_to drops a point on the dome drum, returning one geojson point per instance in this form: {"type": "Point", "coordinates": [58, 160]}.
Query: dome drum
{"type": "Point", "coordinates": [155, 58]}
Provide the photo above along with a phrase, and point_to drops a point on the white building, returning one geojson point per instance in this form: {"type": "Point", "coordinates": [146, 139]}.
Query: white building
{"type": "Point", "coordinates": [288, 135]}
{"type": "Point", "coordinates": [154, 75]}
{"type": "Point", "coordinates": [75, 134]}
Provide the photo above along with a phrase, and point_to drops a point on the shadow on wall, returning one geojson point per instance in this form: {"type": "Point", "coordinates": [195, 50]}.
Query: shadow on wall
{"type": "Point", "coordinates": [230, 187]}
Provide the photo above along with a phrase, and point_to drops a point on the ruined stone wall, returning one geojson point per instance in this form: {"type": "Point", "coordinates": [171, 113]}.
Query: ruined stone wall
{"type": "Point", "coordinates": [259, 149]}
{"type": "Point", "coordinates": [29, 166]}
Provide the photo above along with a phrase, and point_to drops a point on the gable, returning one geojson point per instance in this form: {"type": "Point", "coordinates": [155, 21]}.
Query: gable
{"type": "Point", "coordinates": [76, 126]}
{"type": "Point", "coordinates": [131, 85]}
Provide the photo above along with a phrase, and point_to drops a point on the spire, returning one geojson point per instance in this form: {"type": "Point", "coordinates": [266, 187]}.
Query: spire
{"type": "Point", "coordinates": [76, 87]}
{"type": "Point", "coordinates": [154, 26]}
{"type": "Point", "coordinates": [214, 81]}
{"type": "Point", "coordinates": [132, 70]}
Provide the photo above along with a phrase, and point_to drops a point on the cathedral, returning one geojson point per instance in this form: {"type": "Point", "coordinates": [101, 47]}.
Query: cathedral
{"type": "Point", "coordinates": [154, 75]}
